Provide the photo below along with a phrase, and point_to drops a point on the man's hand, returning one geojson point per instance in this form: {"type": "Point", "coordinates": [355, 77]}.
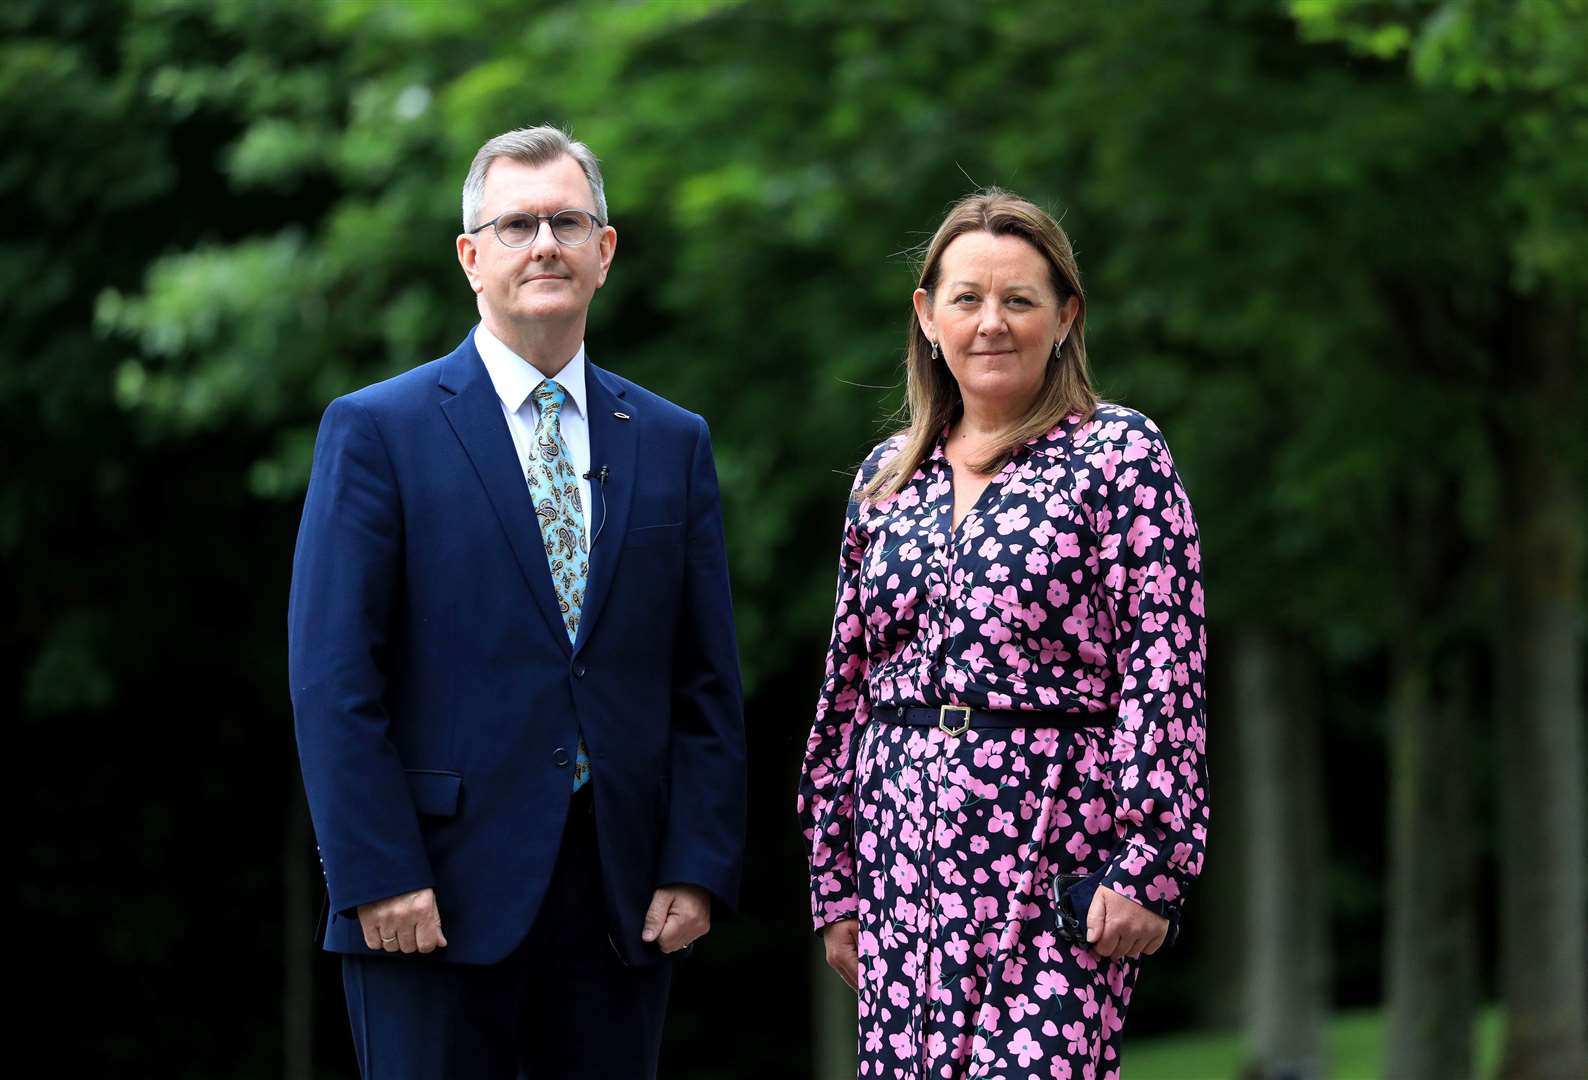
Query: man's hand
{"type": "Point", "coordinates": [407, 923]}
{"type": "Point", "coordinates": [678, 915]}
{"type": "Point", "coordinates": [1118, 927]}
{"type": "Point", "coordinates": [842, 939]}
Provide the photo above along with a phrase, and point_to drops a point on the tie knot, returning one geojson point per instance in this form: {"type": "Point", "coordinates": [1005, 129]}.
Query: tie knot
{"type": "Point", "coordinates": [549, 395]}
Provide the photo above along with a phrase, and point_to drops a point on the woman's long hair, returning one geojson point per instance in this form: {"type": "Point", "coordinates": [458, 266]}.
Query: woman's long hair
{"type": "Point", "coordinates": [932, 396]}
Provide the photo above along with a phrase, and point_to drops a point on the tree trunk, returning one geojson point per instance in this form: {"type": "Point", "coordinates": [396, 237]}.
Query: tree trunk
{"type": "Point", "coordinates": [1286, 865]}
{"type": "Point", "coordinates": [1544, 841]}
{"type": "Point", "coordinates": [297, 946]}
{"type": "Point", "coordinates": [1216, 934]}
{"type": "Point", "coordinates": [1430, 951]}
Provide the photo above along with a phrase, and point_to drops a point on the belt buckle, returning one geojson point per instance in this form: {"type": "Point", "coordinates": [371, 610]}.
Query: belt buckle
{"type": "Point", "coordinates": [942, 720]}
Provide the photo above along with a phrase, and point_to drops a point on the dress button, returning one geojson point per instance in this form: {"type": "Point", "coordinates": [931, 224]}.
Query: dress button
{"type": "Point", "coordinates": [560, 757]}
{"type": "Point", "coordinates": [578, 671]}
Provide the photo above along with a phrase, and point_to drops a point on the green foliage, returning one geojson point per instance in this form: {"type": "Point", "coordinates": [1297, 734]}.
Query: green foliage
{"type": "Point", "coordinates": [1529, 57]}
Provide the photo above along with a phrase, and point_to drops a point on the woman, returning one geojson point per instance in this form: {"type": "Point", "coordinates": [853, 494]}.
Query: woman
{"type": "Point", "coordinates": [1004, 789]}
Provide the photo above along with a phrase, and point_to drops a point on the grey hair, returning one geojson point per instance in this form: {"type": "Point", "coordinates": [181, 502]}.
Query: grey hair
{"type": "Point", "coordinates": [531, 146]}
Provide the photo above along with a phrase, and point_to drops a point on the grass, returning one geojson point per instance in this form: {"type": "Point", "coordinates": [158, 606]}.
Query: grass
{"type": "Point", "coordinates": [1355, 1050]}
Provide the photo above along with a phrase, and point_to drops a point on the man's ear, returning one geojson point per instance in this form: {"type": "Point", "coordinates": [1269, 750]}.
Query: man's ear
{"type": "Point", "coordinates": [468, 258]}
{"type": "Point", "coordinates": [609, 249]}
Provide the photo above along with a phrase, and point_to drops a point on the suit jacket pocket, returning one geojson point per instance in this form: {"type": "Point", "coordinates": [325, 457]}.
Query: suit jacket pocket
{"type": "Point", "coordinates": [646, 535]}
{"type": "Point", "coordinates": [435, 791]}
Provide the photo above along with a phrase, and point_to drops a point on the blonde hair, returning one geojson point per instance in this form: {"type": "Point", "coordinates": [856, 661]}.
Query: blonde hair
{"type": "Point", "coordinates": [932, 395]}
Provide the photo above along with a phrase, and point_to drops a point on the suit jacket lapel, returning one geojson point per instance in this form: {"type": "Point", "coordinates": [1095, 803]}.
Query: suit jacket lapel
{"type": "Point", "coordinates": [475, 413]}
{"type": "Point", "coordinates": [612, 443]}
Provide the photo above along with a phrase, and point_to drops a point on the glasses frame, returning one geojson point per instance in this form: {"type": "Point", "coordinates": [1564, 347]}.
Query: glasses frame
{"type": "Point", "coordinates": [595, 223]}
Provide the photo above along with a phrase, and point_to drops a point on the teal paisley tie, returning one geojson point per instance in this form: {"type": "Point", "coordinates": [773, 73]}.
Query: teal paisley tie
{"type": "Point", "coordinates": [554, 487]}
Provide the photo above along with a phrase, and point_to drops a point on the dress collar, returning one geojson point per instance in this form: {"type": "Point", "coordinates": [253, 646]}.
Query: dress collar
{"type": "Point", "coordinates": [1040, 441]}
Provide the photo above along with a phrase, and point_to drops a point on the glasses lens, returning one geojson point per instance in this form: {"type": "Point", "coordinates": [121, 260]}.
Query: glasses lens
{"type": "Point", "coordinates": [516, 230]}
{"type": "Point", "coordinates": [572, 226]}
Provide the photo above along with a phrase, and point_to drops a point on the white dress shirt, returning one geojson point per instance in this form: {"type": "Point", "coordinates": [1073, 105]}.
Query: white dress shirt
{"type": "Point", "coordinates": [515, 379]}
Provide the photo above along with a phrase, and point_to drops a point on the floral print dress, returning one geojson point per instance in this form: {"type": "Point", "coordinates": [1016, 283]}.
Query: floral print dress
{"type": "Point", "coordinates": [1073, 584]}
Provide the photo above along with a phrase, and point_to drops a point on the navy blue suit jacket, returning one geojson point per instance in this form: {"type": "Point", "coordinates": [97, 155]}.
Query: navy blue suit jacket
{"type": "Point", "coordinates": [437, 696]}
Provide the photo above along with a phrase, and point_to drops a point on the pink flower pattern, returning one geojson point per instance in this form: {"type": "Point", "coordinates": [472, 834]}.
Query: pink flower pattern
{"type": "Point", "coordinates": [1074, 584]}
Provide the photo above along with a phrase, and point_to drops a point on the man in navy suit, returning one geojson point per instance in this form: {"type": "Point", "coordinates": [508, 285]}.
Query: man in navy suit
{"type": "Point", "coordinates": [513, 669]}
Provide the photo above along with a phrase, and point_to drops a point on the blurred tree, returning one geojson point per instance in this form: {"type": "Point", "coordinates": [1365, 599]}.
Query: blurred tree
{"type": "Point", "coordinates": [1529, 59]}
{"type": "Point", "coordinates": [144, 601]}
{"type": "Point", "coordinates": [1287, 988]}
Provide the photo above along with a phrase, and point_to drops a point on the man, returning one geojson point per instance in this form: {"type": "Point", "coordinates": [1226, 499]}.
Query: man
{"type": "Point", "coordinates": [514, 671]}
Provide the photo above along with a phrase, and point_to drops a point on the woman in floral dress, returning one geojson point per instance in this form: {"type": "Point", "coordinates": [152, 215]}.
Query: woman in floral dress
{"type": "Point", "coordinates": [1004, 791]}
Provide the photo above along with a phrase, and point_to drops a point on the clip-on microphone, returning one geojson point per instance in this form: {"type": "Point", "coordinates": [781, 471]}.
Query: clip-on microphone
{"type": "Point", "coordinates": [599, 475]}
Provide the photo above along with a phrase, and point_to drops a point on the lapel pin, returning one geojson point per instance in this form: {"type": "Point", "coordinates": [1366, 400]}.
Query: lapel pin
{"type": "Point", "coordinates": [621, 415]}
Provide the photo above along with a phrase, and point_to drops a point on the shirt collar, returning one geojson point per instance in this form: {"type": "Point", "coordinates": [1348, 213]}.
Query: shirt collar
{"type": "Point", "coordinates": [516, 378]}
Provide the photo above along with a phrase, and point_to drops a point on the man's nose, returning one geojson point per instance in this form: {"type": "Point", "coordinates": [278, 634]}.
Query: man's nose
{"type": "Point", "coordinates": [544, 245]}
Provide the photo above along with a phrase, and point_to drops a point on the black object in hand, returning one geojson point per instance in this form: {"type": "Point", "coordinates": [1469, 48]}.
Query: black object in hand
{"type": "Point", "coordinates": [1072, 896]}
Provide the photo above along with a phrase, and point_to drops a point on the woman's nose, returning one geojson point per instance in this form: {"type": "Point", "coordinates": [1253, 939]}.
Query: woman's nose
{"type": "Point", "coordinates": [992, 320]}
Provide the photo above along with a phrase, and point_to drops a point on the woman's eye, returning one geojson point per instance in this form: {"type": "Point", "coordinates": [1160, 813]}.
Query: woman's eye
{"type": "Point", "coordinates": [965, 298]}
{"type": "Point", "coordinates": [1020, 300]}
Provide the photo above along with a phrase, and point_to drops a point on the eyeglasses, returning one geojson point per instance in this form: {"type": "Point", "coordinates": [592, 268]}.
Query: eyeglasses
{"type": "Point", "coordinates": [518, 228]}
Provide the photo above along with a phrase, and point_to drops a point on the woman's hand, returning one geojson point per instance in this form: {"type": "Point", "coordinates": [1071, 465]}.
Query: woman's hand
{"type": "Point", "coordinates": [842, 939]}
{"type": "Point", "coordinates": [1117, 927]}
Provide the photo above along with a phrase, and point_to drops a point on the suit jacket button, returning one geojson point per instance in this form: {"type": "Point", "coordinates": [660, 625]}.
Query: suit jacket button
{"type": "Point", "coordinates": [578, 671]}
{"type": "Point", "coordinates": [560, 757]}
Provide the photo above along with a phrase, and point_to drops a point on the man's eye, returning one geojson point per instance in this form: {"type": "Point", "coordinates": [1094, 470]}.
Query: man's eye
{"type": "Point", "coordinates": [514, 224]}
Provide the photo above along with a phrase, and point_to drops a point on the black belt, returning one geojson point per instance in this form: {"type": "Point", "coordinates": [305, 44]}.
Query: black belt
{"type": "Point", "coordinates": [958, 719]}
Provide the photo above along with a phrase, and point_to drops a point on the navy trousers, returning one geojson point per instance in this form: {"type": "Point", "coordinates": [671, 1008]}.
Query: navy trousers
{"type": "Point", "coordinates": [561, 1006]}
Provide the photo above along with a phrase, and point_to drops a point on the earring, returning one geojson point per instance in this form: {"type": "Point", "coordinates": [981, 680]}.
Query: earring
{"type": "Point", "coordinates": [1057, 345]}
{"type": "Point", "coordinates": [934, 350]}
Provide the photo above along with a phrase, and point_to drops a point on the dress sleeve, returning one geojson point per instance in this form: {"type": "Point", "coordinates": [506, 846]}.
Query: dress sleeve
{"type": "Point", "coordinates": [1150, 560]}
{"type": "Point", "coordinates": [826, 788]}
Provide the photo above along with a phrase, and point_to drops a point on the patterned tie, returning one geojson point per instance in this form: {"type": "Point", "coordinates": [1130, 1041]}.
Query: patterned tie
{"type": "Point", "coordinates": [554, 487]}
